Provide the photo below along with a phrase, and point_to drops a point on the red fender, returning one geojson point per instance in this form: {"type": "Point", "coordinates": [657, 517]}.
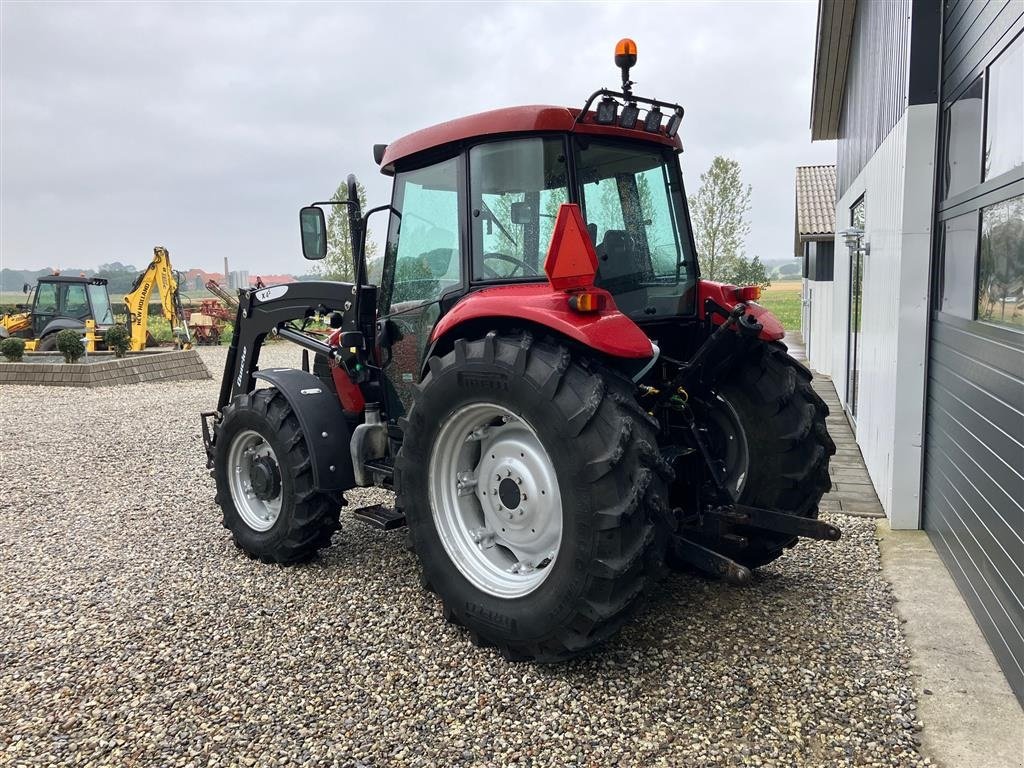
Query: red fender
{"type": "Point", "coordinates": [726, 296]}
{"type": "Point", "coordinates": [607, 330]}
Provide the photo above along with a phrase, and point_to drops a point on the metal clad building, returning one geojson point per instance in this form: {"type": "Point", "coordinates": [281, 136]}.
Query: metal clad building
{"type": "Point", "coordinates": [925, 315]}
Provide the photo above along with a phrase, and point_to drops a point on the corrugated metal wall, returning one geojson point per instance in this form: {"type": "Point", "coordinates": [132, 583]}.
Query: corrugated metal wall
{"type": "Point", "coordinates": [974, 430]}
{"type": "Point", "coordinates": [876, 86]}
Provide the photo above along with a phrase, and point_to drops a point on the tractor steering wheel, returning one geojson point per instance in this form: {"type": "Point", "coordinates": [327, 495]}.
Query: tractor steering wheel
{"type": "Point", "coordinates": [490, 274]}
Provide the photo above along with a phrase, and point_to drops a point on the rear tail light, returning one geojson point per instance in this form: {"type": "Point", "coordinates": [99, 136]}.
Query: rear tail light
{"type": "Point", "coordinates": [585, 301]}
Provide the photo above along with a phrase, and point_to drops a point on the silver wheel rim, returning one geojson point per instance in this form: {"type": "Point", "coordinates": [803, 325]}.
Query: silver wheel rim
{"type": "Point", "coordinates": [247, 448]}
{"type": "Point", "coordinates": [495, 500]}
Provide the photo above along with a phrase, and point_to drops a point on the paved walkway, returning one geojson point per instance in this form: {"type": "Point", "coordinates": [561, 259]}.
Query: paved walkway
{"type": "Point", "coordinates": [852, 491]}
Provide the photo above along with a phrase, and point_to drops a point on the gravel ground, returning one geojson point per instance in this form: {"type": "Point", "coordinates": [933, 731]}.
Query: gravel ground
{"type": "Point", "coordinates": [132, 632]}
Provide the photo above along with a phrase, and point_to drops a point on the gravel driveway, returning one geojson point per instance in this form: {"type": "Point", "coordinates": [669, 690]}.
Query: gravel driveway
{"type": "Point", "coordinates": [132, 632]}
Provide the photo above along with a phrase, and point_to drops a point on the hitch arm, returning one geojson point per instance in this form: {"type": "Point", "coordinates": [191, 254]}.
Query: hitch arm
{"type": "Point", "coordinates": [769, 520]}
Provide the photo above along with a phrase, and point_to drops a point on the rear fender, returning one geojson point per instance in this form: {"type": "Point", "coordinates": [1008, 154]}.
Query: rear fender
{"type": "Point", "coordinates": [608, 331]}
{"type": "Point", "coordinates": [62, 324]}
{"type": "Point", "coordinates": [723, 294]}
{"type": "Point", "coordinates": [323, 423]}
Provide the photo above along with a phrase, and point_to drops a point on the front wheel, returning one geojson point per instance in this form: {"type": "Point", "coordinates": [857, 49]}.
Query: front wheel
{"type": "Point", "coordinates": [265, 483]}
{"type": "Point", "coordinates": [530, 484]}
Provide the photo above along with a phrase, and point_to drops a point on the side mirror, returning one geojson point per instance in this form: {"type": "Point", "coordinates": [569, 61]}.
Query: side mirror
{"type": "Point", "coordinates": [24, 288]}
{"type": "Point", "coordinates": [314, 233]}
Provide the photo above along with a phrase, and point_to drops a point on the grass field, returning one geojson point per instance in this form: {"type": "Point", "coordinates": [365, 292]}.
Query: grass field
{"type": "Point", "coordinates": [783, 299]}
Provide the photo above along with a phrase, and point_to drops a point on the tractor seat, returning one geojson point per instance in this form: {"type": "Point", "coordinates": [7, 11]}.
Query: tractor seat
{"type": "Point", "coordinates": [616, 255]}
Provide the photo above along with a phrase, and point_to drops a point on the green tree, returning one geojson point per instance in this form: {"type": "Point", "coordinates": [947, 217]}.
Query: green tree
{"type": "Point", "coordinates": [744, 271]}
{"type": "Point", "coordinates": [338, 265]}
{"type": "Point", "coordinates": [719, 215]}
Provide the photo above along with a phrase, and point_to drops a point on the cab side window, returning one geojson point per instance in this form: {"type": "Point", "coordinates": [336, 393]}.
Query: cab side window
{"type": "Point", "coordinates": [46, 299]}
{"type": "Point", "coordinates": [427, 261]}
{"type": "Point", "coordinates": [516, 189]}
{"type": "Point", "coordinates": [75, 302]}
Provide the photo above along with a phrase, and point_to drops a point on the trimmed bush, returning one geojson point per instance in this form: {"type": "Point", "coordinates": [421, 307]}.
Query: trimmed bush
{"type": "Point", "coordinates": [13, 349]}
{"type": "Point", "coordinates": [118, 340]}
{"type": "Point", "coordinates": [69, 343]}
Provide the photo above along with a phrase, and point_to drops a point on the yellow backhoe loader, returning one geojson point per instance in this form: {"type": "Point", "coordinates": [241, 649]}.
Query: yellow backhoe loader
{"type": "Point", "coordinates": [158, 274]}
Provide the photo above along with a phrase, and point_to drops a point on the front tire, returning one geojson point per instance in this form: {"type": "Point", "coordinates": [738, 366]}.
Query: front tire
{"type": "Point", "coordinates": [531, 483]}
{"type": "Point", "coordinates": [265, 481]}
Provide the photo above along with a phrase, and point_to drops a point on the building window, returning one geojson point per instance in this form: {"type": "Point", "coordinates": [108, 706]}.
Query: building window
{"type": "Point", "coordinates": [1004, 134]}
{"type": "Point", "coordinates": [962, 157]}
{"type": "Point", "coordinates": [1001, 264]}
{"type": "Point", "coordinates": [959, 258]}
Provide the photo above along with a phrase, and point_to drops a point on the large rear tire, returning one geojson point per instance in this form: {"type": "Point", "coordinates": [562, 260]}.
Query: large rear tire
{"type": "Point", "coordinates": [531, 483]}
{"type": "Point", "coordinates": [777, 454]}
{"type": "Point", "coordinates": [265, 481]}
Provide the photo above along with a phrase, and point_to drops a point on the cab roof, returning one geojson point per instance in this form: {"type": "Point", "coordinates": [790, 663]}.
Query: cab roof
{"type": "Point", "coordinates": [537, 118]}
{"type": "Point", "coordinates": [72, 279]}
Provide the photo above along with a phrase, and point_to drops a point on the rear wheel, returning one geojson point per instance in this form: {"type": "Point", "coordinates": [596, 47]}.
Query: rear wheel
{"type": "Point", "coordinates": [47, 343]}
{"type": "Point", "coordinates": [530, 484]}
{"type": "Point", "coordinates": [265, 484]}
{"type": "Point", "coordinates": [767, 424]}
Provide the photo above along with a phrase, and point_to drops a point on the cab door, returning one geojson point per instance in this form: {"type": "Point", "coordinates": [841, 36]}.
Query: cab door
{"type": "Point", "coordinates": [423, 263]}
{"type": "Point", "coordinates": [44, 307]}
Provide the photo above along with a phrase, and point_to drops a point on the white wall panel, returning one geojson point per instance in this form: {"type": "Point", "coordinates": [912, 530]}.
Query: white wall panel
{"type": "Point", "coordinates": [897, 189]}
{"type": "Point", "coordinates": [817, 327]}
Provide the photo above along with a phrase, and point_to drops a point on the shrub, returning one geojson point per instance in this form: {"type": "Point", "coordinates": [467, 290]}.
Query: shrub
{"type": "Point", "coordinates": [118, 340]}
{"type": "Point", "coordinates": [13, 349]}
{"type": "Point", "coordinates": [69, 342]}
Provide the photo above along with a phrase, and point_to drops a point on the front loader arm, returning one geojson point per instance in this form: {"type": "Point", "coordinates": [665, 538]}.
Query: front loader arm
{"type": "Point", "coordinates": [270, 311]}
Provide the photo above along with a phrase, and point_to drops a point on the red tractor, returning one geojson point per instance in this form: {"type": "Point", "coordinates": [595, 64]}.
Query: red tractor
{"type": "Point", "coordinates": [561, 405]}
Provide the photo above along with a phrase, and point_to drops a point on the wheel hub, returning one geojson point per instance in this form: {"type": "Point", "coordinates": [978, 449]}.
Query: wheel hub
{"type": "Point", "coordinates": [508, 493]}
{"type": "Point", "coordinates": [254, 479]}
{"type": "Point", "coordinates": [265, 478]}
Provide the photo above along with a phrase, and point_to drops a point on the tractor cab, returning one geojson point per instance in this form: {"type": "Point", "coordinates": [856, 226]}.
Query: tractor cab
{"type": "Point", "coordinates": [475, 203]}
{"type": "Point", "coordinates": [508, 192]}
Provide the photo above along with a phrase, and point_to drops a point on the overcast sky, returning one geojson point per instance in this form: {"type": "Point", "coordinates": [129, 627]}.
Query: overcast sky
{"type": "Point", "coordinates": [205, 127]}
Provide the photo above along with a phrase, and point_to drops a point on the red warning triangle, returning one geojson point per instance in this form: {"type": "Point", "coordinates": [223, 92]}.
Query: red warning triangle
{"type": "Point", "coordinates": [571, 261]}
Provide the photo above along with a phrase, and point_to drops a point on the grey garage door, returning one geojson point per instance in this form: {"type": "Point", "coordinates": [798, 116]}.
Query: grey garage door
{"type": "Point", "coordinates": [974, 431]}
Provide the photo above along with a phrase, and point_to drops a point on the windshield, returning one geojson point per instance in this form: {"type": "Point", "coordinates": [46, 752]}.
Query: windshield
{"type": "Point", "coordinates": [100, 301]}
{"type": "Point", "coordinates": [632, 200]}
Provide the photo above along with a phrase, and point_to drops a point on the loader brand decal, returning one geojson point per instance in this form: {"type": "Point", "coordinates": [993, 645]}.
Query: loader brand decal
{"type": "Point", "coordinates": [484, 380]}
{"type": "Point", "coordinates": [486, 615]}
{"type": "Point", "coordinates": [274, 292]}
{"type": "Point", "coordinates": [141, 303]}
{"type": "Point", "coordinates": [241, 367]}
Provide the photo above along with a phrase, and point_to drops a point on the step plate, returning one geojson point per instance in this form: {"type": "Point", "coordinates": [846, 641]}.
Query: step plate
{"type": "Point", "coordinates": [380, 517]}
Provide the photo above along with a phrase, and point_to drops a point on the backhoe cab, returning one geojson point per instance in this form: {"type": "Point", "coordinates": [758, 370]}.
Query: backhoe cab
{"type": "Point", "coordinates": [535, 367]}
{"type": "Point", "coordinates": [57, 303]}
